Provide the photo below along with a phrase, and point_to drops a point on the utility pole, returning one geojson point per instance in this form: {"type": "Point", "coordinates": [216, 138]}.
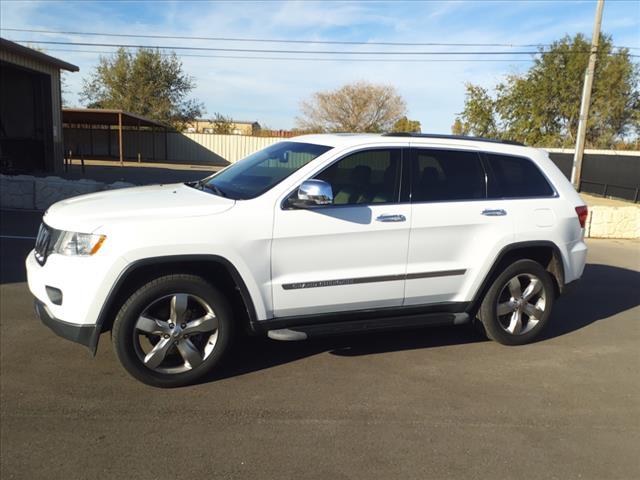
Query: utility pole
{"type": "Point", "coordinates": [586, 99]}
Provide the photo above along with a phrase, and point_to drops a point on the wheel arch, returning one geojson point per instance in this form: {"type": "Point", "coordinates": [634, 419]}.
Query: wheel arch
{"type": "Point", "coordinates": [544, 252]}
{"type": "Point", "coordinates": [216, 269]}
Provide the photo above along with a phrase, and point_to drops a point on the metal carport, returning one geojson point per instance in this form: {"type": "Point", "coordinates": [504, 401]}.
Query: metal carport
{"type": "Point", "coordinates": [81, 126]}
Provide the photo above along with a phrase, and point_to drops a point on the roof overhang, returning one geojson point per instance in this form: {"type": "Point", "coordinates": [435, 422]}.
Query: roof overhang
{"type": "Point", "coordinates": [18, 49]}
{"type": "Point", "coordinates": [103, 116]}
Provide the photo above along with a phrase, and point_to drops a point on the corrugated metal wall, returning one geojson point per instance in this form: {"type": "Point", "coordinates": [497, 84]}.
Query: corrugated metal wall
{"type": "Point", "coordinates": [187, 148]}
{"type": "Point", "coordinates": [604, 172]}
{"type": "Point", "coordinates": [100, 142]}
{"type": "Point", "coordinates": [56, 100]}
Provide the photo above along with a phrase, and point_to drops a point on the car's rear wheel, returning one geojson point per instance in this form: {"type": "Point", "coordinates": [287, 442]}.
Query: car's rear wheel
{"type": "Point", "coordinates": [518, 304]}
{"type": "Point", "coordinates": [172, 331]}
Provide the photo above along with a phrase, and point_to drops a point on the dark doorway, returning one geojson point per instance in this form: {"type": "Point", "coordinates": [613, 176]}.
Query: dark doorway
{"type": "Point", "coordinates": [26, 124]}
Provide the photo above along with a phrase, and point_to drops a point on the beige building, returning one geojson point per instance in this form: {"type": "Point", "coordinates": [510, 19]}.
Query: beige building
{"type": "Point", "coordinates": [238, 127]}
{"type": "Point", "coordinates": [30, 109]}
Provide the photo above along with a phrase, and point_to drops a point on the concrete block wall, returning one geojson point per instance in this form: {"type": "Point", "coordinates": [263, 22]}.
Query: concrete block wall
{"type": "Point", "coordinates": [35, 193]}
{"type": "Point", "coordinates": [613, 222]}
{"type": "Point", "coordinates": [17, 192]}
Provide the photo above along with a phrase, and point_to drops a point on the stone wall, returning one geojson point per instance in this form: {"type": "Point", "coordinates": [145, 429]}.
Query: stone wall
{"type": "Point", "coordinates": [35, 193]}
{"type": "Point", "coordinates": [613, 222]}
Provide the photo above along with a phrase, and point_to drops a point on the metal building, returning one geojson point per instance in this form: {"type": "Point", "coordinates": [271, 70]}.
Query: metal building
{"type": "Point", "coordinates": [30, 110]}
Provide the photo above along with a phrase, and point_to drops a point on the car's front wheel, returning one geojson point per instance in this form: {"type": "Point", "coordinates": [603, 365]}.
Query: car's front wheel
{"type": "Point", "coordinates": [172, 331]}
{"type": "Point", "coordinates": [518, 304]}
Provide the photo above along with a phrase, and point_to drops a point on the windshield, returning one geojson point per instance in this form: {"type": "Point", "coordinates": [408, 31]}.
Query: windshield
{"type": "Point", "coordinates": [257, 173]}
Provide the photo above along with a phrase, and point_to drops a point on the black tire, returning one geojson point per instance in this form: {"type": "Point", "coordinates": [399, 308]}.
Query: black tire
{"type": "Point", "coordinates": [125, 334]}
{"type": "Point", "coordinates": [494, 324]}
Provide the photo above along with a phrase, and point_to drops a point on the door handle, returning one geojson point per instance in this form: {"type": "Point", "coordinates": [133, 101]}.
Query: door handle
{"type": "Point", "coordinates": [391, 218]}
{"type": "Point", "coordinates": [498, 212]}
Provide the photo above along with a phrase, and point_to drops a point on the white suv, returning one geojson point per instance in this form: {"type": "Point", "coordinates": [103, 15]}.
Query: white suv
{"type": "Point", "coordinates": [315, 235]}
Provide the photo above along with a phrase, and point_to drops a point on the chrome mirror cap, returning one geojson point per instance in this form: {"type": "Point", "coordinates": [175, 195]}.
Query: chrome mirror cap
{"type": "Point", "coordinates": [316, 192]}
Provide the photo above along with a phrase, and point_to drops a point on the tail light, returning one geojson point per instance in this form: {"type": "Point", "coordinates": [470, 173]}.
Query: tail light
{"type": "Point", "coordinates": [582, 212]}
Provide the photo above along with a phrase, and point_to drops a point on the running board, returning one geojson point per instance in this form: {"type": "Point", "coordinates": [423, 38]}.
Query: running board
{"type": "Point", "coordinates": [286, 335]}
{"type": "Point", "coordinates": [303, 332]}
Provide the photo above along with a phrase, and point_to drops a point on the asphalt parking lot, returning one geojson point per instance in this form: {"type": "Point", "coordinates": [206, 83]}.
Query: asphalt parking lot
{"type": "Point", "coordinates": [436, 403]}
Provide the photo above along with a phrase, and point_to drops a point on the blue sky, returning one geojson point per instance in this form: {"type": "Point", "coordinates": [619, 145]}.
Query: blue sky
{"type": "Point", "coordinates": [270, 91]}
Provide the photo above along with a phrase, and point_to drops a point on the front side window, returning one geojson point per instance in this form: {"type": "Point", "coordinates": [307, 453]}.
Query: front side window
{"type": "Point", "coordinates": [366, 177]}
{"type": "Point", "coordinates": [261, 171]}
{"type": "Point", "coordinates": [515, 177]}
{"type": "Point", "coordinates": [446, 175]}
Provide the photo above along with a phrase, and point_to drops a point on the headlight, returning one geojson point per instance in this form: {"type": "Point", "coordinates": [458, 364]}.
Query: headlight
{"type": "Point", "coordinates": [74, 243]}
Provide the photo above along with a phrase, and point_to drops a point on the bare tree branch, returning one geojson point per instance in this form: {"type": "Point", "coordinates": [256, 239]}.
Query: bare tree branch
{"type": "Point", "coordinates": [356, 107]}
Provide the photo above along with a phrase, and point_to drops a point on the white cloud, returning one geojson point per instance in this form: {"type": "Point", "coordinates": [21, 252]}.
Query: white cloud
{"type": "Point", "coordinates": [270, 91]}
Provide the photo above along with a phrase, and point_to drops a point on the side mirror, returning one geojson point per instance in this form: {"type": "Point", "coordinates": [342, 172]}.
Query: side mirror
{"type": "Point", "coordinates": [314, 192]}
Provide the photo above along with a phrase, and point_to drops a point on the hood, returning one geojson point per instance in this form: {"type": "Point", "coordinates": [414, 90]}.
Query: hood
{"type": "Point", "coordinates": [88, 212]}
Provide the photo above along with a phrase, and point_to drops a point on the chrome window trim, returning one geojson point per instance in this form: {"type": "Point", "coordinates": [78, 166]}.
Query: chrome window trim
{"type": "Point", "coordinates": [480, 153]}
{"type": "Point", "coordinates": [475, 200]}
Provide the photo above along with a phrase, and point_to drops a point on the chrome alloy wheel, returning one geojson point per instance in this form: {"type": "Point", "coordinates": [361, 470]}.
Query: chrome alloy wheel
{"type": "Point", "coordinates": [175, 333]}
{"type": "Point", "coordinates": [521, 304]}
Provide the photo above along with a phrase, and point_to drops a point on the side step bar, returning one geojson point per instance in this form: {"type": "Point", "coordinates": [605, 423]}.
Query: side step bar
{"type": "Point", "coordinates": [303, 332]}
{"type": "Point", "coordinates": [286, 335]}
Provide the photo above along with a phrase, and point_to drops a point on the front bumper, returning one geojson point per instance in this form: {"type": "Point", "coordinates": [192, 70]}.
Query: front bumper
{"type": "Point", "coordinates": [84, 283]}
{"type": "Point", "coordinates": [84, 334]}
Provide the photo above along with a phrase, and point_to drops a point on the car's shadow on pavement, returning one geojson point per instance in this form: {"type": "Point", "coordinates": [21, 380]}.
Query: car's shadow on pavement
{"type": "Point", "coordinates": [603, 292]}
{"type": "Point", "coordinates": [251, 354]}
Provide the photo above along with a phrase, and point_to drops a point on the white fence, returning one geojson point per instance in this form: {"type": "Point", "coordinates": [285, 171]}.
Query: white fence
{"type": "Point", "coordinates": [230, 147]}
{"type": "Point", "coordinates": [188, 148]}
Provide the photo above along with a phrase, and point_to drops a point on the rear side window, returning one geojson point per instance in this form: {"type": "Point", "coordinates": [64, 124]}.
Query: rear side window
{"type": "Point", "coordinates": [515, 177]}
{"type": "Point", "coordinates": [446, 175]}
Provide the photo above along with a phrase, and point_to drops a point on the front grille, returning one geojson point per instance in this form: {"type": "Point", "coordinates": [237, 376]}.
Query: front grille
{"type": "Point", "coordinates": [45, 242]}
{"type": "Point", "coordinates": [42, 243]}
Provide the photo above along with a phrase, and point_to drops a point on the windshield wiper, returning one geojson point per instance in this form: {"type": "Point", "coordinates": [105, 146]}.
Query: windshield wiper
{"type": "Point", "coordinates": [214, 189]}
{"type": "Point", "coordinates": [203, 185]}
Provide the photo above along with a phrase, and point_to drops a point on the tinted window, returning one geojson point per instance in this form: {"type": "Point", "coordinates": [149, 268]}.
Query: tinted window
{"type": "Point", "coordinates": [257, 173]}
{"type": "Point", "coordinates": [445, 175]}
{"type": "Point", "coordinates": [370, 176]}
{"type": "Point", "coordinates": [514, 177]}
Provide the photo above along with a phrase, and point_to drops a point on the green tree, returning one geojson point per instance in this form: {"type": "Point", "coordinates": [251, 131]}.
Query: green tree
{"type": "Point", "coordinates": [406, 125]}
{"type": "Point", "coordinates": [457, 128]}
{"type": "Point", "coordinates": [356, 107]}
{"type": "Point", "coordinates": [478, 117]}
{"type": "Point", "coordinates": [542, 106]}
{"type": "Point", "coordinates": [222, 124]}
{"type": "Point", "coordinates": [64, 89]}
{"type": "Point", "coordinates": [144, 82]}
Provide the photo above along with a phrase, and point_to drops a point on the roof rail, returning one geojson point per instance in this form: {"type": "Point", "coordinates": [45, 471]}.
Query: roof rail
{"type": "Point", "coordinates": [451, 137]}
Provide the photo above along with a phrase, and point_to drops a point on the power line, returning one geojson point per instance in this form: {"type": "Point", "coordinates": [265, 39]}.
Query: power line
{"type": "Point", "coordinates": [313, 52]}
{"type": "Point", "coordinates": [271, 40]}
{"type": "Point", "coordinates": [247, 57]}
